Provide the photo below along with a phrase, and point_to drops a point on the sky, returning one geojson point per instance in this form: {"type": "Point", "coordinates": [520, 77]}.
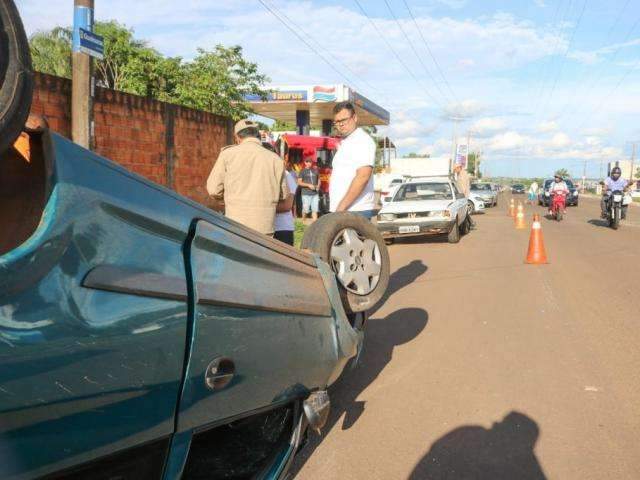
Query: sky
{"type": "Point", "coordinates": [537, 84]}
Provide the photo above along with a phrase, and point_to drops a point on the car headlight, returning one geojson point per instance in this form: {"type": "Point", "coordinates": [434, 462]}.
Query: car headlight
{"type": "Point", "coordinates": [575, 194]}
{"type": "Point", "coordinates": [386, 217]}
{"type": "Point", "coordinates": [546, 194]}
{"type": "Point", "coordinates": [440, 213]}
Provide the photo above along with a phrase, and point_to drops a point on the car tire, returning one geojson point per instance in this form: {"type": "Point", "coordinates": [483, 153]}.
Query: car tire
{"type": "Point", "coordinates": [16, 75]}
{"type": "Point", "coordinates": [465, 228]}
{"type": "Point", "coordinates": [454, 233]}
{"type": "Point", "coordinates": [341, 240]}
{"type": "Point", "coordinates": [471, 207]}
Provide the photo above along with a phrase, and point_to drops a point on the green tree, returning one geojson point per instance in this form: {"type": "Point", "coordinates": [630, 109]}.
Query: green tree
{"type": "Point", "coordinates": [279, 126]}
{"type": "Point", "coordinates": [51, 51]}
{"type": "Point", "coordinates": [471, 163]}
{"type": "Point", "coordinates": [563, 172]}
{"type": "Point", "coordinates": [218, 80]}
{"type": "Point", "coordinates": [637, 175]}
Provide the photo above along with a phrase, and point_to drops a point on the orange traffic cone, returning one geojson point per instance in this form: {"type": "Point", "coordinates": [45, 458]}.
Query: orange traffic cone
{"type": "Point", "coordinates": [536, 254]}
{"type": "Point", "coordinates": [512, 209]}
{"type": "Point", "coordinates": [519, 221]}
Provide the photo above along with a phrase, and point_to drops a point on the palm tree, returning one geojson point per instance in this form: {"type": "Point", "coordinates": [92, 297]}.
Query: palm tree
{"type": "Point", "coordinates": [51, 51]}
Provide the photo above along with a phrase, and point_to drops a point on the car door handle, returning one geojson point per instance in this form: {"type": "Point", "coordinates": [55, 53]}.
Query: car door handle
{"type": "Point", "coordinates": [219, 373]}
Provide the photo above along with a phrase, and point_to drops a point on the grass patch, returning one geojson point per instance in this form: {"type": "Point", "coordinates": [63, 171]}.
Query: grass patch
{"type": "Point", "coordinates": [298, 233]}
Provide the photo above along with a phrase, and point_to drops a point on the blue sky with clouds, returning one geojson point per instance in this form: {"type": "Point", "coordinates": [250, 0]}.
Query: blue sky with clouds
{"type": "Point", "coordinates": [540, 84]}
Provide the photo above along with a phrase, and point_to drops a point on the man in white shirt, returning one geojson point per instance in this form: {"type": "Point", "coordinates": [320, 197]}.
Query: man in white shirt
{"type": "Point", "coordinates": [351, 184]}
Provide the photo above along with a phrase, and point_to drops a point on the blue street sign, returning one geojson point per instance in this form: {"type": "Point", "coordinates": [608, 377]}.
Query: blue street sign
{"type": "Point", "coordinates": [91, 44]}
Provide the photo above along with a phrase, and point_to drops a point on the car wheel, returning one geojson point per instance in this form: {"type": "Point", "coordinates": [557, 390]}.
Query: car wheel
{"type": "Point", "coordinates": [471, 207]}
{"type": "Point", "coordinates": [466, 226]}
{"type": "Point", "coordinates": [454, 234]}
{"type": "Point", "coordinates": [16, 76]}
{"type": "Point", "coordinates": [356, 252]}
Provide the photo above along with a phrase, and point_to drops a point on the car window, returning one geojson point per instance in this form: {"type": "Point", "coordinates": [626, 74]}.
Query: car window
{"type": "Point", "coordinates": [480, 186]}
{"type": "Point", "coordinates": [396, 181]}
{"type": "Point", "coordinates": [423, 191]}
{"type": "Point", "coordinates": [547, 183]}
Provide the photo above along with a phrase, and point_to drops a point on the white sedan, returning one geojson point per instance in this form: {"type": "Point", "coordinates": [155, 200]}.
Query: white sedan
{"type": "Point", "coordinates": [425, 206]}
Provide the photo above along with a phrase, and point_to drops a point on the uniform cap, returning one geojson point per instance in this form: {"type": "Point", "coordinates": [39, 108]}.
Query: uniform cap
{"type": "Point", "coordinates": [242, 124]}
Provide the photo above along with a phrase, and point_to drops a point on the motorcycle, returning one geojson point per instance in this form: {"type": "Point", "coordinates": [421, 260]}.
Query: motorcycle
{"type": "Point", "coordinates": [558, 204]}
{"type": "Point", "coordinates": [617, 204]}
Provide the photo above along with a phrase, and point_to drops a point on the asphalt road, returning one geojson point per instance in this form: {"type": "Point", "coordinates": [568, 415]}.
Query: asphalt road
{"type": "Point", "coordinates": [478, 366]}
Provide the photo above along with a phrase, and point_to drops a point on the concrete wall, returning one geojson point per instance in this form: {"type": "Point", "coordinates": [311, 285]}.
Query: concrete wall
{"type": "Point", "coordinates": [168, 144]}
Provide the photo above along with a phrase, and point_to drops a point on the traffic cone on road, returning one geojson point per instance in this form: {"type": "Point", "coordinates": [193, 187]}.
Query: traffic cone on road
{"type": "Point", "coordinates": [512, 209]}
{"type": "Point", "coordinates": [536, 254]}
{"type": "Point", "coordinates": [519, 221]}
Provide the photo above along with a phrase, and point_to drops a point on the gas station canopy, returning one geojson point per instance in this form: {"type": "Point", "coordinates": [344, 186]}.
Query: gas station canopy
{"type": "Point", "coordinates": [287, 103]}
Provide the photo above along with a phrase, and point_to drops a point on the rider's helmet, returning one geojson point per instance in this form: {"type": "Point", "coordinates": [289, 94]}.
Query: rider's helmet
{"type": "Point", "coordinates": [616, 173]}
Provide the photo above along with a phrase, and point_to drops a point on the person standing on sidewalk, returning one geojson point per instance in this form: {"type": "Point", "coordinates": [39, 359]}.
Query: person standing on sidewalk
{"type": "Point", "coordinates": [464, 185]}
{"type": "Point", "coordinates": [309, 180]}
{"type": "Point", "coordinates": [351, 184]}
{"type": "Point", "coordinates": [284, 223]}
{"type": "Point", "coordinates": [247, 181]}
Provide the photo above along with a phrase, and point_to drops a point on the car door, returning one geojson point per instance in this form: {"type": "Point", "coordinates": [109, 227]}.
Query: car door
{"type": "Point", "coordinates": [262, 323]}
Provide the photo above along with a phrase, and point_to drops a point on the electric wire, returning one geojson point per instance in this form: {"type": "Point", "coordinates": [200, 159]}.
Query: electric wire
{"type": "Point", "coordinates": [311, 47]}
{"type": "Point", "coordinates": [396, 55]}
{"type": "Point", "coordinates": [564, 57]}
{"type": "Point", "coordinates": [337, 60]}
{"type": "Point", "coordinates": [435, 61]}
{"type": "Point", "coordinates": [413, 48]}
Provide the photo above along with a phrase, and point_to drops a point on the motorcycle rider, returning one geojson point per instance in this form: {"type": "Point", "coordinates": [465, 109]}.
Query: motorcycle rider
{"type": "Point", "coordinates": [612, 183]}
{"type": "Point", "coordinates": [558, 186]}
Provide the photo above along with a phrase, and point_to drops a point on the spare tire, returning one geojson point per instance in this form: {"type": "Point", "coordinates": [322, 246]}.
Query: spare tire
{"type": "Point", "coordinates": [356, 252]}
{"type": "Point", "coordinates": [16, 75]}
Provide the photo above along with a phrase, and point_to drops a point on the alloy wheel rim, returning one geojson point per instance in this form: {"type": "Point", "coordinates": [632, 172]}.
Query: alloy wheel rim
{"type": "Point", "coordinates": [356, 261]}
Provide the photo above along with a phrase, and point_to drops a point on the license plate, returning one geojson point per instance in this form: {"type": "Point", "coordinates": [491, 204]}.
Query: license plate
{"type": "Point", "coordinates": [409, 229]}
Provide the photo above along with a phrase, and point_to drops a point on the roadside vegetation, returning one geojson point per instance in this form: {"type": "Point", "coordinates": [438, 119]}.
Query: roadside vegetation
{"type": "Point", "coordinates": [215, 80]}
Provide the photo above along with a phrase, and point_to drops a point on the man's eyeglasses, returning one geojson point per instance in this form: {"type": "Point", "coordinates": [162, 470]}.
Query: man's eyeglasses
{"type": "Point", "coordinates": [342, 121]}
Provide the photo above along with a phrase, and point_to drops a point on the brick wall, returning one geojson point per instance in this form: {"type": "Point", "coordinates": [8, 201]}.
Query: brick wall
{"type": "Point", "coordinates": [168, 144]}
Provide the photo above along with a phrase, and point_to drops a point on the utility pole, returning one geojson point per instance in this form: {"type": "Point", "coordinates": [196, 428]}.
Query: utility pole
{"type": "Point", "coordinates": [634, 144]}
{"type": "Point", "coordinates": [476, 166]}
{"type": "Point", "coordinates": [81, 90]}
{"type": "Point", "coordinates": [584, 175]}
{"type": "Point", "coordinates": [454, 142]}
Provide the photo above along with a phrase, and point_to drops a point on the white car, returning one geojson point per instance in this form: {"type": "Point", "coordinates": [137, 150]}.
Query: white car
{"type": "Point", "coordinates": [390, 188]}
{"type": "Point", "coordinates": [476, 204]}
{"type": "Point", "coordinates": [425, 206]}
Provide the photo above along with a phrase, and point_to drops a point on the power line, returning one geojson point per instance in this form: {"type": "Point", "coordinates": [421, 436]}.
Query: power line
{"type": "Point", "coordinates": [426, 44]}
{"type": "Point", "coordinates": [564, 58]}
{"type": "Point", "coordinates": [413, 48]}
{"type": "Point", "coordinates": [395, 54]}
{"type": "Point", "coordinates": [355, 75]}
{"type": "Point", "coordinates": [594, 80]}
{"type": "Point", "coordinates": [544, 71]}
{"type": "Point", "coordinates": [303, 40]}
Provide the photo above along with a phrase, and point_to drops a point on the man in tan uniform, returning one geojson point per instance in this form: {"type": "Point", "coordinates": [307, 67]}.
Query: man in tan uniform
{"type": "Point", "coordinates": [464, 185]}
{"type": "Point", "coordinates": [249, 179]}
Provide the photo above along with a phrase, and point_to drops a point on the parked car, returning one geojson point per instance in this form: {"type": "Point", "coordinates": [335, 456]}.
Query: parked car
{"type": "Point", "coordinates": [143, 335]}
{"type": "Point", "coordinates": [488, 195]}
{"type": "Point", "coordinates": [390, 188]}
{"type": "Point", "coordinates": [544, 197]}
{"type": "Point", "coordinates": [518, 188]}
{"type": "Point", "coordinates": [475, 203]}
{"type": "Point", "coordinates": [425, 206]}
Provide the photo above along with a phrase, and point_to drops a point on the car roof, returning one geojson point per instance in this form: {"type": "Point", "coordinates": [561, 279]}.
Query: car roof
{"type": "Point", "coordinates": [428, 179]}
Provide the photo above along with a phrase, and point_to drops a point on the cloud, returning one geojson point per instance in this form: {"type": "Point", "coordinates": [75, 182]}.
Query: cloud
{"type": "Point", "coordinates": [546, 127]}
{"type": "Point", "coordinates": [507, 141]}
{"type": "Point", "coordinates": [560, 140]}
{"type": "Point", "coordinates": [462, 110]}
{"type": "Point", "coordinates": [487, 127]}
